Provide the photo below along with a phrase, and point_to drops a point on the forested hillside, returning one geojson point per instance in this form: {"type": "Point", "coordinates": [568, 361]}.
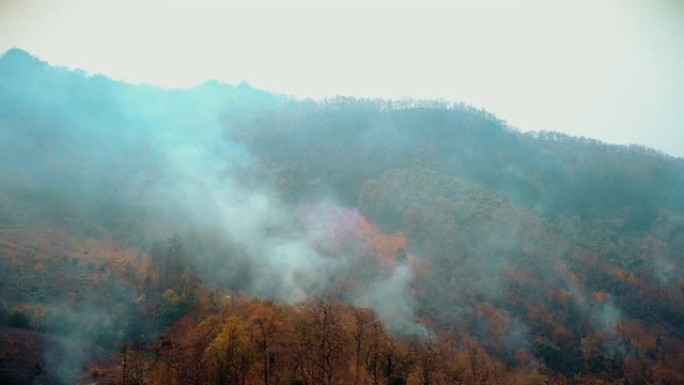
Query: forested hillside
{"type": "Point", "coordinates": [226, 235]}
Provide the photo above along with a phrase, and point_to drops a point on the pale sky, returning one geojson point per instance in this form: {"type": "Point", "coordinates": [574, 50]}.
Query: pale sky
{"type": "Point", "coordinates": [607, 69]}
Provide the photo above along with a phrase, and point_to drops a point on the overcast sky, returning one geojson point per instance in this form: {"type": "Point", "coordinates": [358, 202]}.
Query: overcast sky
{"type": "Point", "coordinates": [607, 69]}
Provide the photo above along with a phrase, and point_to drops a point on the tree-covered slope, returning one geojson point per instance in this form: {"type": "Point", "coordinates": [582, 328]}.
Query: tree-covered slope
{"type": "Point", "coordinates": [541, 250]}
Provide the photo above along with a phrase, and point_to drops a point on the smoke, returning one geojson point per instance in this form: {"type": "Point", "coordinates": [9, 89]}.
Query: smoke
{"type": "Point", "coordinates": [150, 163]}
{"type": "Point", "coordinates": [78, 330]}
{"type": "Point", "coordinates": [392, 300]}
{"type": "Point", "coordinates": [606, 317]}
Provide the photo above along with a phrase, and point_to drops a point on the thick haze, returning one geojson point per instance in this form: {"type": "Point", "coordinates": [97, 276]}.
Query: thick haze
{"type": "Point", "coordinates": [610, 70]}
{"type": "Point", "coordinates": [99, 150]}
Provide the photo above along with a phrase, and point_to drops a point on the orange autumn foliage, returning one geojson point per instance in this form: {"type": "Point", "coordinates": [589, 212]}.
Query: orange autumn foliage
{"type": "Point", "coordinates": [385, 246]}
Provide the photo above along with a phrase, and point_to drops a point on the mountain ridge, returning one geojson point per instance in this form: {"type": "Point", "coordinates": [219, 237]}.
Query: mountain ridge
{"type": "Point", "coordinates": [17, 56]}
{"type": "Point", "coordinates": [531, 254]}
